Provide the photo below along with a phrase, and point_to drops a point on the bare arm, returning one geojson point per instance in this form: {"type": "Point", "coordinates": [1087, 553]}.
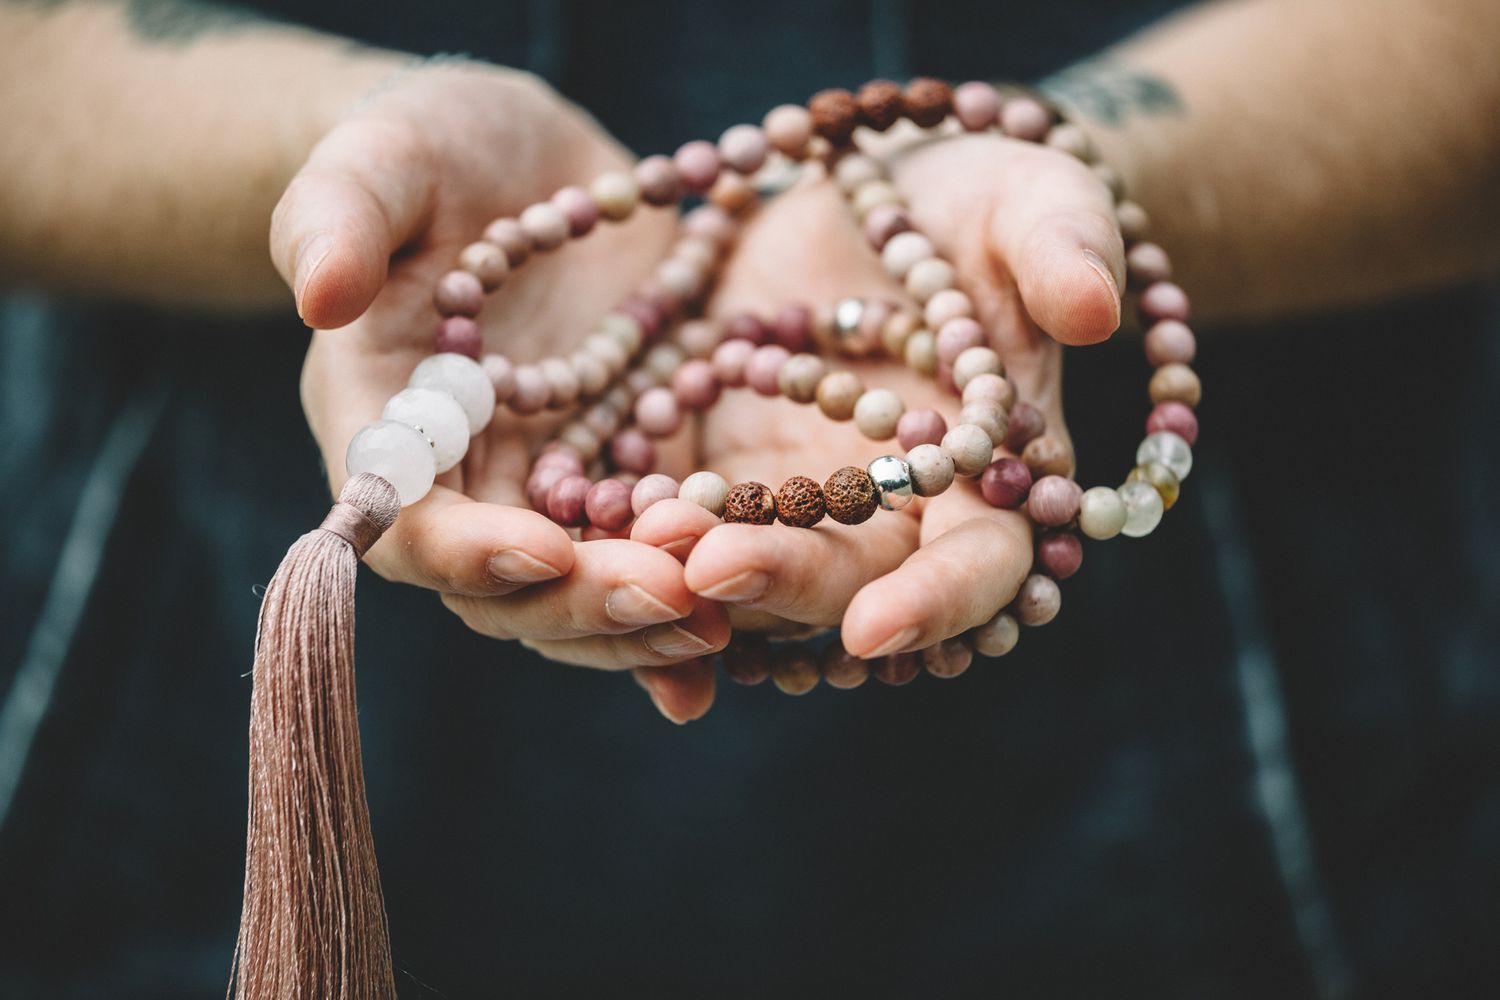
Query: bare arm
{"type": "Point", "coordinates": [1304, 154]}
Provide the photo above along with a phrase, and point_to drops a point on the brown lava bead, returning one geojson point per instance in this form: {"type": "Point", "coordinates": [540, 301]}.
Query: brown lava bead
{"type": "Point", "coordinates": [1047, 456]}
{"type": "Point", "coordinates": [842, 669]}
{"type": "Point", "coordinates": [749, 503]}
{"type": "Point", "coordinates": [880, 104]}
{"type": "Point", "coordinates": [927, 101]}
{"type": "Point", "coordinates": [834, 113]}
{"type": "Point", "coordinates": [794, 669]}
{"type": "Point", "coordinates": [799, 502]}
{"type": "Point", "coordinates": [747, 660]}
{"type": "Point", "coordinates": [850, 495]}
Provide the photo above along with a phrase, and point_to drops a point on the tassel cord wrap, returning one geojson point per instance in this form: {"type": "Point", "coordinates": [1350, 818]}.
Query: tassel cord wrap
{"type": "Point", "coordinates": [313, 925]}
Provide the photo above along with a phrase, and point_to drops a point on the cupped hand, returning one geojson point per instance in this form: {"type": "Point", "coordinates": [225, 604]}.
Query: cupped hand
{"type": "Point", "coordinates": [381, 209]}
{"type": "Point", "coordinates": [1032, 234]}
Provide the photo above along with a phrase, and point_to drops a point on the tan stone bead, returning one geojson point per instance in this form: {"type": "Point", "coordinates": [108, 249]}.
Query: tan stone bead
{"type": "Point", "coordinates": [928, 277]}
{"type": "Point", "coordinates": [731, 192]}
{"type": "Point", "coordinates": [877, 412]}
{"type": "Point", "coordinates": [1047, 455]}
{"type": "Point", "coordinates": [932, 469]}
{"type": "Point", "coordinates": [842, 669]}
{"type": "Point", "coordinates": [1134, 223]}
{"type": "Point", "coordinates": [800, 377]}
{"type": "Point", "coordinates": [921, 352]}
{"type": "Point", "coordinates": [698, 338]}
{"type": "Point", "coordinates": [1176, 382]}
{"type": "Point", "coordinates": [486, 262]}
{"type": "Point", "coordinates": [988, 414]}
{"type": "Point", "coordinates": [1160, 478]}
{"type": "Point", "coordinates": [970, 448]}
{"type": "Point", "coordinates": [617, 194]}
{"type": "Point", "coordinates": [625, 330]}
{"type": "Point", "coordinates": [837, 393]}
{"type": "Point", "coordinates": [975, 361]}
{"type": "Point", "coordinates": [897, 330]}
{"type": "Point", "coordinates": [800, 503]}
{"type": "Point", "coordinates": [582, 440]}
{"type": "Point", "coordinates": [997, 636]}
{"type": "Point", "coordinates": [947, 304]}
{"type": "Point", "coordinates": [593, 375]}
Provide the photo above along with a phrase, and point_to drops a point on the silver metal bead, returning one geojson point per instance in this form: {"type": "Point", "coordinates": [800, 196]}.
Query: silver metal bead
{"type": "Point", "coordinates": [892, 478]}
{"type": "Point", "coordinates": [847, 316]}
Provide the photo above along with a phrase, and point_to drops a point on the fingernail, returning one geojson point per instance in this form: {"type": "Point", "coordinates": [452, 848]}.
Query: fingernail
{"type": "Point", "coordinates": [894, 644]}
{"type": "Point", "coordinates": [661, 708]}
{"type": "Point", "coordinates": [511, 566]}
{"type": "Point", "coordinates": [746, 586]}
{"type": "Point", "coordinates": [309, 256]}
{"type": "Point", "coordinates": [679, 547]}
{"type": "Point", "coordinates": [1102, 269]}
{"type": "Point", "coordinates": [673, 640]}
{"type": "Point", "coordinates": [629, 604]}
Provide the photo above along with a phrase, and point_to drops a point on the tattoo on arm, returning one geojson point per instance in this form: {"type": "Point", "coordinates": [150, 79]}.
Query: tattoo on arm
{"type": "Point", "coordinates": [174, 22]}
{"type": "Point", "coordinates": [1111, 92]}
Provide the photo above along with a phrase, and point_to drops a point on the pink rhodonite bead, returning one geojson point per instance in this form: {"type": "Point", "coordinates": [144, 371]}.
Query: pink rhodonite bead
{"type": "Point", "coordinates": [976, 105]}
{"type": "Point", "coordinates": [697, 163]}
{"type": "Point", "coordinates": [956, 336]}
{"type": "Point", "coordinates": [578, 207]}
{"type": "Point", "coordinates": [632, 451]}
{"type": "Point", "coordinates": [1176, 417]}
{"type": "Point", "coordinates": [1059, 554]}
{"type": "Point", "coordinates": [459, 335]}
{"type": "Point", "coordinates": [695, 385]}
{"type": "Point", "coordinates": [763, 371]}
{"type": "Point", "coordinates": [1053, 501]}
{"type": "Point", "coordinates": [1165, 300]}
{"type": "Point", "coordinates": [793, 328]}
{"type": "Point", "coordinates": [743, 148]}
{"type": "Point", "coordinates": [920, 427]}
{"type": "Point", "coordinates": [1006, 483]}
{"type": "Point", "coordinates": [1171, 341]}
{"type": "Point", "coordinates": [652, 489]}
{"type": "Point", "coordinates": [565, 501]}
{"type": "Point", "coordinates": [608, 505]}
{"type": "Point", "coordinates": [656, 412]}
{"type": "Point", "coordinates": [458, 293]}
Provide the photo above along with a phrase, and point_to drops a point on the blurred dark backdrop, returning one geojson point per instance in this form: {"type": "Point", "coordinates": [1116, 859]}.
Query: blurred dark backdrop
{"type": "Point", "coordinates": [1255, 757]}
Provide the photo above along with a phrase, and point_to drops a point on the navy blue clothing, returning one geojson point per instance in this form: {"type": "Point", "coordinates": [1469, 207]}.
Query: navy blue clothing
{"type": "Point", "coordinates": [1255, 757]}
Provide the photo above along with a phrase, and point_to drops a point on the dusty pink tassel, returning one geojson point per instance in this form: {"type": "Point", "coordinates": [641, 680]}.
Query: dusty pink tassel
{"type": "Point", "coordinates": [313, 925]}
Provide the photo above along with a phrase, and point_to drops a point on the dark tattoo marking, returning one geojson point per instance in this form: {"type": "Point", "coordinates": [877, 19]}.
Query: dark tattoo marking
{"type": "Point", "coordinates": [173, 22]}
{"type": "Point", "coordinates": [1110, 92]}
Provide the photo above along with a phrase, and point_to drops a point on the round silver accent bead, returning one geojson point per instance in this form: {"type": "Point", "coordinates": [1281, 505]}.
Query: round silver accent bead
{"type": "Point", "coordinates": [892, 478]}
{"type": "Point", "coordinates": [848, 314]}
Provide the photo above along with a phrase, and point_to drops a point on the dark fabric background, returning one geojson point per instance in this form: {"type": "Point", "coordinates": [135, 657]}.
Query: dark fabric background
{"type": "Point", "coordinates": [1255, 757]}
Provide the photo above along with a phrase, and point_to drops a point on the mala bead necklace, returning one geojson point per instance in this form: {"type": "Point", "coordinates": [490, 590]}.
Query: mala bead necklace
{"type": "Point", "coordinates": [313, 923]}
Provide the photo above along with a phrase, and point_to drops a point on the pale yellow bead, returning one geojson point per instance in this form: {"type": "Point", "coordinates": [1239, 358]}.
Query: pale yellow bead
{"type": "Point", "coordinates": [877, 412]}
{"type": "Point", "coordinates": [975, 361]}
{"type": "Point", "coordinates": [971, 448]}
{"type": "Point", "coordinates": [921, 352]}
{"type": "Point", "coordinates": [799, 377]}
{"type": "Point", "coordinates": [837, 393]}
{"type": "Point", "coordinates": [1101, 513]}
{"type": "Point", "coordinates": [871, 195]}
{"type": "Point", "coordinates": [928, 277]}
{"type": "Point", "coordinates": [897, 330]}
{"type": "Point", "coordinates": [617, 194]}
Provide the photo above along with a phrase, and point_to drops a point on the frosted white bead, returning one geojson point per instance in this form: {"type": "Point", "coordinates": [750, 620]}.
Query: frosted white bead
{"type": "Point", "coordinates": [395, 453]}
{"type": "Point", "coordinates": [1169, 449]}
{"type": "Point", "coordinates": [436, 416]}
{"type": "Point", "coordinates": [1101, 513]}
{"type": "Point", "coordinates": [462, 378]}
{"type": "Point", "coordinates": [1143, 509]}
{"type": "Point", "coordinates": [902, 251]}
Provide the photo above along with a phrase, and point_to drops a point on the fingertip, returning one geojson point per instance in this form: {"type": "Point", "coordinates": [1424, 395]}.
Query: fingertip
{"type": "Point", "coordinates": [337, 278]}
{"type": "Point", "coordinates": [1072, 294]}
{"type": "Point", "coordinates": [674, 526]}
{"type": "Point", "coordinates": [681, 693]}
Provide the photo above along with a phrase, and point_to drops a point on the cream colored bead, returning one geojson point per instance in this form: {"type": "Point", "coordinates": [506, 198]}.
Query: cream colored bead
{"type": "Point", "coordinates": [583, 440]}
{"type": "Point", "coordinates": [970, 447]}
{"type": "Point", "coordinates": [897, 329]}
{"type": "Point", "coordinates": [950, 303]}
{"type": "Point", "coordinates": [707, 490]}
{"type": "Point", "coordinates": [871, 195]}
{"type": "Point", "coordinates": [837, 393]}
{"type": "Point", "coordinates": [921, 352]}
{"type": "Point", "coordinates": [663, 360]}
{"type": "Point", "coordinates": [617, 194]}
{"type": "Point", "coordinates": [928, 277]}
{"type": "Point", "coordinates": [877, 413]}
{"type": "Point", "coordinates": [904, 250]}
{"type": "Point", "coordinates": [626, 330]}
{"type": "Point", "coordinates": [698, 338]}
{"type": "Point", "coordinates": [731, 192]}
{"type": "Point", "coordinates": [997, 636]}
{"type": "Point", "coordinates": [1101, 513]}
{"type": "Point", "coordinates": [800, 376]}
{"type": "Point", "coordinates": [593, 375]}
{"type": "Point", "coordinates": [855, 170]}
{"type": "Point", "coordinates": [609, 352]}
{"type": "Point", "coordinates": [989, 415]}
{"type": "Point", "coordinates": [486, 262]}
{"type": "Point", "coordinates": [975, 361]}
{"type": "Point", "coordinates": [931, 469]}
{"type": "Point", "coordinates": [698, 250]}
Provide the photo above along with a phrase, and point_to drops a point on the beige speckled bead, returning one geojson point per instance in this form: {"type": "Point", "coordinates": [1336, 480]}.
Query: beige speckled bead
{"type": "Point", "coordinates": [921, 352]}
{"type": "Point", "coordinates": [970, 448]}
{"type": "Point", "coordinates": [486, 262]}
{"type": "Point", "coordinates": [902, 252]}
{"type": "Point", "coordinates": [800, 376]}
{"type": "Point", "coordinates": [1101, 513]}
{"type": "Point", "coordinates": [1135, 225]}
{"type": "Point", "coordinates": [1038, 601]}
{"type": "Point", "coordinates": [871, 195]}
{"type": "Point", "coordinates": [992, 387]}
{"type": "Point", "coordinates": [625, 330]}
{"type": "Point", "coordinates": [663, 360]}
{"type": "Point", "coordinates": [948, 304]}
{"type": "Point", "coordinates": [582, 440]}
{"type": "Point", "coordinates": [897, 330]}
{"type": "Point", "coordinates": [988, 414]}
{"type": "Point", "coordinates": [877, 413]}
{"type": "Point", "coordinates": [855, 170]}
{"type": "Point", "coordinates": [931, 470]}
{"type": "Point", "coordinates": [731, 192]}
{"type": "Point", "coordinates": [1176, 382]}
{"type": "Point", "coordinates": [975, 361]}
{"type": "Point", "coordinates": [617, 194]}
{"type": "Point", "coordinates": [562, 381]}
{"type": "Point", "coordinates": [997, 636]}
{"type": "Point", "coordinates": [1163, 479]}
{"type": "Point", "coordinates": [837, 393]}
{"type": "Point", "coordinates": [707, 490]}
{"type": "Point", "coordinates": [609, 352]}
{"type": "Point", "coordinates": [545, 225]}
{"type": "Point", "coordinates": [698, 338]}
{"type": "Point", "coordinates": [1047, 455]}
{"type": "Point", "coordinates": [593, 376]}
{"type": "Point", "coordinates": [928, 277]}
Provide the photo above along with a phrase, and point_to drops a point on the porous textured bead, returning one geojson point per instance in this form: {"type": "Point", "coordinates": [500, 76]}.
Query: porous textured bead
{"type": "Point", "coordinates": [436, 416]}
{"type": "Point", "coordinates": [1053, 501]}
{"type": "Point", "coordinates": [842, 669]}
{"type": "Point", "coordinates": [835, 113]}
{"type": "Point", "coordinates": [892, 479]}
{"type": "Point", "coordinates": [1143, 509]}
{"type": "Point", "coordinates": [463, 379]}
{"type": "Point", "coordinates": [1047, 455]}
{"type": "Point", "coordinates": [931, 469]}
{"type": "Point", "coordinates": [837, 394]}
{"type": "Point", "coordinates": [706, 489]}
{"type": "Point", "coordinates": [1168, 449]}
{"type": "Point", "coordinates": [997, 636]}
{"type": "Point", "coordinates": [1038, 601]}
{"type": "Point", "coordinates": [877, 413]}
{"type": "Point", "coordinates": [948, 658]}
{"type": "Point", "coordinates": [879, 104]}
{"type": "Point", "coordinates": [396, 453]}
{"type": "Point", "coordinates": [749, 503]}
{"type": "Point", "coordinates": [850, 495]}
{"type": "Point", "coordinates": [799, 502]}
{"type": "Point", "coordinates": [1176, 382]}
{"type": "Point", "coordinates": [927, 101]}
{"type": "Point", "coordinates": [970, 448]}
{"type": "Point", "coordinates": [1059, 554]}
{"type": "Point", "coordinates": [924, 426]}
{"type": "Point", "coordinates": [794, 670]}
{"type": "Point", "coordinates": [1101, 513]}
{"type": "Point", "coordinates": [1161, 478]}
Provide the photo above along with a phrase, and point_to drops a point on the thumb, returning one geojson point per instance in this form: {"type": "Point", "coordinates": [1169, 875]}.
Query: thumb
{"type": "Point", "coordinates": [362, 194]}
{"type": "Point", "coordinates": [1069, 262]}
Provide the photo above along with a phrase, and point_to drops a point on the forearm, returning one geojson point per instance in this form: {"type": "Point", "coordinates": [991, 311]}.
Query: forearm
{"type": "Point", "coordinates": [146, 144]}
{"type": "Point", "coordinates": [1305, 154]}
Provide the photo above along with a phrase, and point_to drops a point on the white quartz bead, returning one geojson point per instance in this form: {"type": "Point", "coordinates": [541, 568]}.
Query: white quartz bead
{"type": "Point", "coordinates": [1101, 513]}
{"type": "Point", "coordinates": [395, 453]}
{"type": "Point", "coordinates": [1170, 450]}
{"type": "Point", "coordinates": [462, 378]}
{"type": "Point", "coordinates": [1143, 509]}
{"type": "Point", "coordinates": [437, 417]}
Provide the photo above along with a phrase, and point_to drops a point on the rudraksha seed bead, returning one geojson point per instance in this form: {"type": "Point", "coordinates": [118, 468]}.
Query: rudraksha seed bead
{"type": "Point", "coordinates": [747, 659]}
{"type": "Point", "coordinates": [835, 112]}
{"type": "Point", "coordinates": [898, 669]}
{"type": "Point", "coordinates": [749, 503]}
{"type": "Point", "coordinates": [880, 104]}
{"type": "Point", "coordinates": [850, 495]}
{"type": "Point", "coordinates": [948, 658]}
{"type": "Point", "coordinates": [842, 669]}
{"type": "Point", "coordinates": [927, 101]}
{"type": "Point", "coordinates": [1006, 483]}
{"type": "Point", "coordinates": [799, 502]}
{"type": "Point", "coordinates": [795, 670]}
